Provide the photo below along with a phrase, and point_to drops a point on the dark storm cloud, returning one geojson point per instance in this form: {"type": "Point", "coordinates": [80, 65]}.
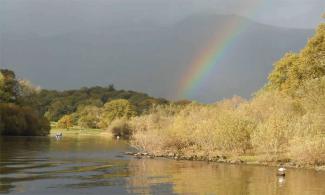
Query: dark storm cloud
{"type": "Point", "coordinates": [145, 45]}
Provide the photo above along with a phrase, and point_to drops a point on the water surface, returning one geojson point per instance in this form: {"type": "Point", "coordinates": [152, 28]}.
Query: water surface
{"type": "Point", "coordinates": [97, 165]}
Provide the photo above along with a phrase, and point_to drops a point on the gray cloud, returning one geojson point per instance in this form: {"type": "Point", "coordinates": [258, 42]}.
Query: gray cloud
{"type": "Point", "coordinates": [70, 43]}
{"type": "Point", "coordinates": [68, 15]}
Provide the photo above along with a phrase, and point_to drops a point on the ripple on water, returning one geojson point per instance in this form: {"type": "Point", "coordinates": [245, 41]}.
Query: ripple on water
{"type": "Point", "coordinates": [96, 165]}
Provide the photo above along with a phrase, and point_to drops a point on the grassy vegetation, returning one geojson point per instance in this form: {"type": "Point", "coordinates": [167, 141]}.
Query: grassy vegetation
{"type": "Point", "coordinates": [283, 122]}
{"type": "Point", "coordinates": [76, 131]}
{"type": "Point", "coordinates": [269, 128]}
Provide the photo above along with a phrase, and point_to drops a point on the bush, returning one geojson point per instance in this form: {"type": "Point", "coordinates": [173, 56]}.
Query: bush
{"type": "Point", "coordinates": [207, 128]}
{"type": "Point", "coordinates": [21, 121]}
{"type": "Point", "coordinates": [121, 128]}
{"type": "Point", "coordinates": [66, 122]}
{"type": "Point", "coordinates": [308, 150]}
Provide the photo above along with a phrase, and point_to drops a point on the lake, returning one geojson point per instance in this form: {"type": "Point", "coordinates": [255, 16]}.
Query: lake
{"type": "Point", "coordinates": [97, 165]}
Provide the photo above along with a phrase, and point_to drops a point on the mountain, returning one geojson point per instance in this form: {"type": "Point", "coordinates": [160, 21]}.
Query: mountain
{"type": "Point", "coordinates": [149, 57]}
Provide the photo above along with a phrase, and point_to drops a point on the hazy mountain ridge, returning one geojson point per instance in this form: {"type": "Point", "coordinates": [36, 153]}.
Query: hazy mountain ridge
{"type": "Point", "coordinates": [151, 58]}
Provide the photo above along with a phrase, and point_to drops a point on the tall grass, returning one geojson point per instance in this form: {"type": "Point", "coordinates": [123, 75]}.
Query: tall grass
{"type": "Point", "coordinates": [271, 124]}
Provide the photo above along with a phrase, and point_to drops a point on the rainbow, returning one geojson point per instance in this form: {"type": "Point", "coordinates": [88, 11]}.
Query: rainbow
{"type": "Point", "coordinates": [215, 51]}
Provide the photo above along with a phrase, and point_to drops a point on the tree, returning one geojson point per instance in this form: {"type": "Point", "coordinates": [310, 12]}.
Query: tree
{"type": "Point", "coordinates": [27, 89]}
{"type": "Point", "coordinates": [286, 76]}
{"type": "Point", "coordinates": [16, 119]}
{"type": "Point", "coordinates": [9, 87]}
{"type": "Point", "coordinates": [295, 70]}
{"type": "Point", "coordinates": [111, 87]}
{"type": "Point", "coordinates": [66, 122]}
{"type": "Point", "coordinates": [58, 109]}
{"type": "Point", "coordinates": [21, 121]}
{"type": "Point", "coordinates": [89, 117]}
{"type": "Point", "coordinates": [117, 109]}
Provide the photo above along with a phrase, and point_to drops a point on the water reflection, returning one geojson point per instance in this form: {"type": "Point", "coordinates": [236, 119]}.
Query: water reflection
{"type": "Point", "coordinates": [72, 162]}
{"type": "Point", "coordinates": [95, 165]}
{"type": "Point", "coordinates": [211, 178]}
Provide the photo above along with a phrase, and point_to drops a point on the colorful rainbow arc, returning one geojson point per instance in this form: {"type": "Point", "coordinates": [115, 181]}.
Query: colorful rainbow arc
{"type": "Point", "coordinates": [210, 57]}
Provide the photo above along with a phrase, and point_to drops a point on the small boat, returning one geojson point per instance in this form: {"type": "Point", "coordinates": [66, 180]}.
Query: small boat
{"type": "Point", "coordinates": [58, 136]}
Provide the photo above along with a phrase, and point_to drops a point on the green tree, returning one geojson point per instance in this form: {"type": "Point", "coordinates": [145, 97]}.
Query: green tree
{"type": "Point", "coordinates": [15, 117]}
{"type": "Point", "coordinates": [89, 117]}
{"type": "Point", "coordinates": [9, 87]}
{"type": "Point", "coordinates": [21, 121]}
{"type": "Point", "coordinates": [117, 109]}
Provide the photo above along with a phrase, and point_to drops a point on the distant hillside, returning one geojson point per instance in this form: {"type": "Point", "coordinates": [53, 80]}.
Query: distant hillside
{"type": "Point", "coordinates": [150, 58]}
{"type": "Point", "coordinates": [55, 104]}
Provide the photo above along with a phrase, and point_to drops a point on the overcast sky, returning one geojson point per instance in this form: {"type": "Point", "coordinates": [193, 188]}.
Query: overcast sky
{"type": "Point", "coordinates": [52, 16]}
{"type": "Point", "coordinates": [72, 34]}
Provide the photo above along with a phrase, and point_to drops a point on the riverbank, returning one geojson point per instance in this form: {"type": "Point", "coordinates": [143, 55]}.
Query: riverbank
{"type": "Point", "coordinates": [76, 131]}
{"type": "Point", "coordinates": [235, 160]}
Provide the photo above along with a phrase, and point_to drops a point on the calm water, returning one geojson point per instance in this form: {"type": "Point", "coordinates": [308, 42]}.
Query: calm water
{"type": "Point", "coordinates": [96, 165]}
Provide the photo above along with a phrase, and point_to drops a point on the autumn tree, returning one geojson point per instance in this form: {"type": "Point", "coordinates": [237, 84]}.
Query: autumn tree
{"type": "Point", "coordinates": [294, 70]}
{"type": "Point", "coordinates": [117, 109]}
{"type": "Point", "coordinates": [66, 122]}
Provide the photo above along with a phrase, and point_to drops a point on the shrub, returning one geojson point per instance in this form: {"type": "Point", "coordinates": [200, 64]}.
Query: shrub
{"type": "Point", "coordinates": [232, 133]}
{"type": "Point", "coordinates": [21, 121]}
{"type": "Point", "coordinates": [206, 128]}
{"type": "Point", "coordinates": [308, 150]}
{"type": "Point", "coordinates": [65, 122]}
{"type": "Point", "coordinates": [121, 128]}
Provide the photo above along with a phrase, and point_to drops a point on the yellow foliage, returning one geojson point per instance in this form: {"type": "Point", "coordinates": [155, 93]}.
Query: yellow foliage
{"type": "Point", "coordinates": [65, 122]}
{"type": "Point", "coordinates": [285, 119]}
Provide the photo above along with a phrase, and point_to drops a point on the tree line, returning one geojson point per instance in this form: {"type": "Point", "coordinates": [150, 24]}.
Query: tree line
{"type": "Point", "coordinates": [27, 110]}
{"type": "Point", "coordinates": [16, 117]}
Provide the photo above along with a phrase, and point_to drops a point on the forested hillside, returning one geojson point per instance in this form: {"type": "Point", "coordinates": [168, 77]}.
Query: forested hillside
{"type": "Point", "coordinates": [55, 104]}
{"type": "Point", "coordinates": [26, 109]}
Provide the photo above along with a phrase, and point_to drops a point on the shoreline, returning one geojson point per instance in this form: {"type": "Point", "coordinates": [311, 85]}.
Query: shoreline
{"type": "Point", "coordinates": [226, 160]}
{"type": "Point", "coordinates": [232, 160]}
{"type": "Point", "coordinates": [80, 132]}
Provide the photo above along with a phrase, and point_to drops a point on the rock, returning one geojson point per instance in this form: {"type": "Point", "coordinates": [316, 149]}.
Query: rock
{"type": "Point", "coordinates": [137, 157]}
{"type": "Point", "coordinates": [171, 154]}
{"type": "Point", "coordinates": [137, 154]}
{"type": "Point", "coordinates": [221, 161]}
{"type": "Point", "coordinates": [238, 161]}
{"type": "Point", "coordinates": [320, 168]}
